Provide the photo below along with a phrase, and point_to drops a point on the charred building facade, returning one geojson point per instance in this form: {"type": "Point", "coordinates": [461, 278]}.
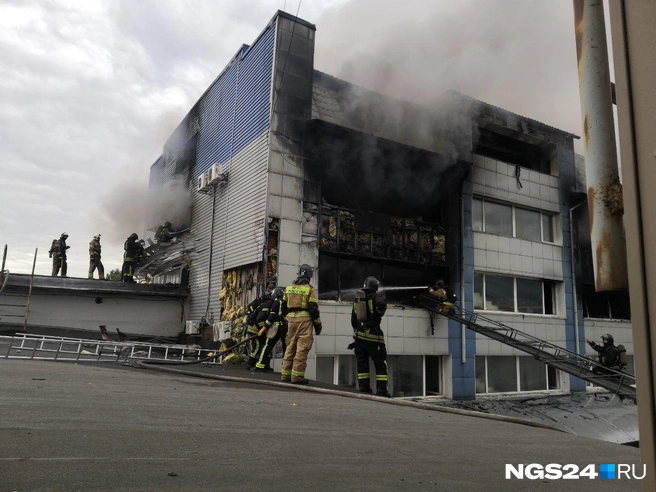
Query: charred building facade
{"type": "Point", "coordinates": [316, 170]}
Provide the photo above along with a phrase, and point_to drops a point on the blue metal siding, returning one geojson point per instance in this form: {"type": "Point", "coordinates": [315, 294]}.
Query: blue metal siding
{"type": "Point", "coordinates": [234, 119]}
{"type": "Point", "coordinates": [236, 109]}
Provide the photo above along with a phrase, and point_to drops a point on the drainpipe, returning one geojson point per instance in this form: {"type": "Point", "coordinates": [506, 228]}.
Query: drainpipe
{"type": "Point", "coordinates": [605, 200]}
{"type": "Point", "coordinates": [574, 295]}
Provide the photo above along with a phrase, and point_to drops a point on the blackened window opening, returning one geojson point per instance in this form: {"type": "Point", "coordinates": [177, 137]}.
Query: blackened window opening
{"type": "Point", "coordinates": [507, 149]}
{"type": "Point", "coordinates": [341, 277]}
{"type": "Point", "coordinates": [350, 232]}
{"type": "Point", "coordinates": [605, 305]}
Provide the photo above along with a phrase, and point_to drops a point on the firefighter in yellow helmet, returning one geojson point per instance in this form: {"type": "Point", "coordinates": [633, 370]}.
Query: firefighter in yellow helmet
{"type": "Point", "coordinates": [94, 258]}
{"type": "Point", "coordinates": [300, 307]}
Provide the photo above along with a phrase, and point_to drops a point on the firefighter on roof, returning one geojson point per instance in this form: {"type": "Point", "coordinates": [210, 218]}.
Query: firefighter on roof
{"type": "Point", "coordinates": [300, 307]}
{"type": "Point", "coordinates": [366, 315]}
{"type": "Point", "coordinates": [131, 249]}
{"type": "Point", "coordinates": [58, 254]}
{"type": "Point", "coordinates": [94, 258]}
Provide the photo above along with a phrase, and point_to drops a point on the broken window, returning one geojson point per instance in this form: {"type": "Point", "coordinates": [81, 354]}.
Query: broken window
{"type": "Point", "coordinates": [512, 221]}
{"type": "Point", "coordinates": [514, 295]}
{"type": "Point", "coordinates": [341, 277]}
{"type": "Point", "coordinates": [605, 305]}
{"type": "Point", "coordinates": [513, 151]}
{"type": "Point", "coordinates": [342, 230]}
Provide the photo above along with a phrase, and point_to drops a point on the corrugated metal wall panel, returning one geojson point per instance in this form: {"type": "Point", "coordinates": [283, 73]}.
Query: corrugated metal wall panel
{"type": "Point", "coordinates": [247, 203]}
{"type": "Point", "coordinates": [234, 119]}
{"type": "Point", "coordinates": [252, 113]}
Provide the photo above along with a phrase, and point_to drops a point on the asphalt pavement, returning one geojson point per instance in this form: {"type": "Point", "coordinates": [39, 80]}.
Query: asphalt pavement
{"type": "Point", "coordinates": [70, 427]}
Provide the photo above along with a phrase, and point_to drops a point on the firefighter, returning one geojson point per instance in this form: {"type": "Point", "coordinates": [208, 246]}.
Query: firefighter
{"type": "Point", "coordinates": [272, 328]}
{"type": "Point", "coordinates": [94, 258]}
{"type": "Point", "coordinates": [300, 307]}
{"type": "Point", "coordinates": [129, 257]}
{"type": "Point", "coordinates": [261, 304]}
{"type": "Point", "coordinates": [58, 254]}
{"type": "Point", "coordinates": [443, 294]}
{"type": "Point", "coordinates": [608, 353]}
{"type": "Point", "coordinates": [366, 315]}
{"type": "Point", "coordinates": [164, 233]}
{"type": "Point", "coordinates": [141, 255]}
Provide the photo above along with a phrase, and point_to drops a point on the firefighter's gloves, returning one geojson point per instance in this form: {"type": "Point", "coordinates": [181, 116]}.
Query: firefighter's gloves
{"type": "Point", "coordinates": [351, 346]}
{"type": "Point", "coordinates": [317, 328]}
{"type": "Point", "coordinates": [262, 331]}
{"type": "Point", "coordinates": [50, 255]}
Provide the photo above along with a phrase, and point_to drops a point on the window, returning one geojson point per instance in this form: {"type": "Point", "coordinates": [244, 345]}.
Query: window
{"type": "Point", "coordinates": [512, 221]}
{"type": "Point", "coordinates": [605, 305]}
{"type": "Point", "coordinates": [504, 374]}
{"type": "Point", "coordinates": [433, 375]}
{"type": "Point", "coordinates": [513, 295]}
{"type": "Point", "coordinates": [326, 370]}
{"type": "Point", "coordinates": [405, 373]}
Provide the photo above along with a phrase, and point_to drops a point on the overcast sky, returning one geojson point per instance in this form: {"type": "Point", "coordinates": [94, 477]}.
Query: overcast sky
{"type": "Point", "coordinates": [91, 89]}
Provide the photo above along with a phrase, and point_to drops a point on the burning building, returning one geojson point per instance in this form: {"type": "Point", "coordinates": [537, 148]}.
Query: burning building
{"type": "Point", "coordinates": [288, 165]}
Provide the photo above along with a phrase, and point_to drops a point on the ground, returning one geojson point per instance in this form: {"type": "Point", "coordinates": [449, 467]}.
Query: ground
{"type": "Point", "coordinates": [86, 427]}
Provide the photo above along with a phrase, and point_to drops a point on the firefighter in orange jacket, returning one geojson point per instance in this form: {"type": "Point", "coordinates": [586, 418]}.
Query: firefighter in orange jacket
{"type": "Point", "coordinates": [300, 307]}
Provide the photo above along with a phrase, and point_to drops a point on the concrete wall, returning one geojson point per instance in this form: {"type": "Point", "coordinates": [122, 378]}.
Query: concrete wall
{"type": "Point", "coordinates": [153, 316]}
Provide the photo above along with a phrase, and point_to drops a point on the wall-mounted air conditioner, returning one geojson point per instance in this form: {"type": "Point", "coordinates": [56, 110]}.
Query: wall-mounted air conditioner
{"type": "Point", "coordinates": [202, 182]}
{"type": "Point", "coordinates": [192, 327]}
{"type": "Point", "coordinates": [218, 173]}
{"type": "Point", "coordinates": [222, 331]}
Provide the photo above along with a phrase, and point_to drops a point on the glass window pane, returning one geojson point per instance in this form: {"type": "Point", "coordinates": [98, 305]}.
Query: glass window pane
{"type": "Point", "coordinates": [547, 228]}
{"type": "Point", "coordinates": [554, 382]}
{"type": "Point", "coordinates": [529, 296]}
{"type": "Point", "coordinates": [477, 215]}
{"type": "Point", "coordinates": [498, 219]}
{"type": "Point", "coordinates": [478, 291]}
{"type": "Point", "coordinates": [480, 374]}
{"type": "Point", "coordinates": [346, 373]}
{"type": "Point", "coordinates": [501, 374]}
{"type": "Point", "coordinates": [527, 224]}
{"type": "Point", "coordinates": [499, 295]}
{"type": "Point", "coordinates": [532, 374]}
{"type": "Point", "coordinates": [326, 369]}
{"type": "Point", "coordinates": [433, 379]}
{"type": "Point", "coordinates": [406, 375]}
{"type": "Point", "coordinates": [549, 297]}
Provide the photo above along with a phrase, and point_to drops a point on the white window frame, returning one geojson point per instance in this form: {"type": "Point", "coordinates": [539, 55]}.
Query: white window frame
{"type": "Point", "coordinates": [514, 221]}
{"type": "Point", "coordinates": [515, 311]}
{"type": "Point", "coordinates": [517, 375]}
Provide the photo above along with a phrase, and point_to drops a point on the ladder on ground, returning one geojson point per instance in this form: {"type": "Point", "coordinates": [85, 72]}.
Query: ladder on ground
{"type": "Point", "coordinates": [618, 382]}
{"type": "Point", "coordinates": [42, 347]}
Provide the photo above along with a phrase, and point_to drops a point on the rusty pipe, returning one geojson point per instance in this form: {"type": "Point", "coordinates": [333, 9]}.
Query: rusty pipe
{"type": "Point", "coordinates": [605, 201]}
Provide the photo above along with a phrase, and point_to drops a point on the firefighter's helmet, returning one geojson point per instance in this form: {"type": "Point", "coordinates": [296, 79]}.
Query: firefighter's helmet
{"type": "Point", "coordinates": [371, 283]}
{"type": "Point", "coordinates": [305, 271]}
{"type": "Point", "coordinates": [277, 293]}
{"type": "Point", "coordinates": [608, 337]}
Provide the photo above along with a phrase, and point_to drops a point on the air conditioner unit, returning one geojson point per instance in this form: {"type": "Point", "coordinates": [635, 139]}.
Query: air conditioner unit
{"type": "Point", "coordinates": [222, 331]}
{"type": "Point", "coordinates": [202, 182]}
{"type": "Point", "coordinates": [218, 173]}
{"type": "Point", "coordinates": [192, 327]}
